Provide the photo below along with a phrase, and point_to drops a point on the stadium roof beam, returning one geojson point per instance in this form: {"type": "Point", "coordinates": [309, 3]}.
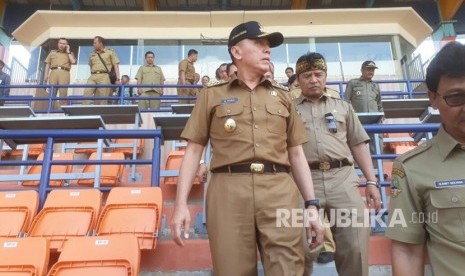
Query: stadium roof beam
{"type": "Point", "coordinates": [449, 8]}
{"type": "Point", "coordinates": [175, 25]}
{"type": "Point", "coordinates": [299, 4]}
{"type": "Point", "coordinates": [150, 5]}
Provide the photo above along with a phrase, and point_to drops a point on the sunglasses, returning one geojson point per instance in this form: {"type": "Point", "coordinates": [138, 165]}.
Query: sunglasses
{"type": "Point", "coordinates": [454, 99]}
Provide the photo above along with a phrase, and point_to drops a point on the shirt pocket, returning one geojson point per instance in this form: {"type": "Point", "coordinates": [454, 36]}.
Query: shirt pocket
{"type": "Point", "coordinates": [222, 114]}
{"type": "Point", "coordinates": [341, 126]}
{"type": "Point", "coordinates": [449, 219]}
{"type": "Point", "coordinates": [276, 118]}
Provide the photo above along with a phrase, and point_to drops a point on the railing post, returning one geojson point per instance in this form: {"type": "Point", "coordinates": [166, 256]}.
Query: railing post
{"type": "Point", "coordinates": [156, 153]}
{"type": "Point", "coordinates": [45, 174]}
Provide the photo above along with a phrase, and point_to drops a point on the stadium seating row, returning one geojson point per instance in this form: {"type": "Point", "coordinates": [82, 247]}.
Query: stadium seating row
{"type": "Point", "coordinates": [103, 255]}
{"type": "Point", "coordinates": [77, 213]}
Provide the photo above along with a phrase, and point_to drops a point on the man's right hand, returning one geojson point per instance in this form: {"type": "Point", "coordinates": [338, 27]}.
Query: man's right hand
{"type": "Point", "coordinates": [139, 91]}
{"type": "Point", "coordinates": [315, 229]}
{"type": "Point", "coordinates": [181, 220]}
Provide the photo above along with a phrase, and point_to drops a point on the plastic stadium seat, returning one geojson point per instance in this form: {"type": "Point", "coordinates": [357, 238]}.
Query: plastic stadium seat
{"type": "Point", "coordinates": [401, 149]}
{"type": "Point", "coordinates": [128, 150]}
{"type": "Point", "coordinates": [110, 175]}
{"type": "Point", "coordinates": [17, 210]}
{"type": "Point", "coordinates": [97, 256]}
{"type": "Point", "coordinates": [37, 169]}
{"type": "Point", "coordinates": [67, 213]}
{"type": "Point", "coordinates": [173, 162]}
{"type": "Point", "coordinates": [33, 151]}
{"type": "Point", "coordinates": [135, 211]}
{"type": "Point", "coordinates": [87, 151]}
{"type": "Point", "coordinates": [24, 256]}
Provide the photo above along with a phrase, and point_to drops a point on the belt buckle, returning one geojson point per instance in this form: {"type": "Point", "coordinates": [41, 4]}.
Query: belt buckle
{"type": "Point", "coordinates": [257, 168]}
{"type": "Point", "coordinates": [324, 166]}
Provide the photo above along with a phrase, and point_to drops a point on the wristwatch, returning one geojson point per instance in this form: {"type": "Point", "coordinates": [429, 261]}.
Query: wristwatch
{"type": "Point", "coordinates": [312, 202]}
{"type": "Point", "coordinates": [374, 183]}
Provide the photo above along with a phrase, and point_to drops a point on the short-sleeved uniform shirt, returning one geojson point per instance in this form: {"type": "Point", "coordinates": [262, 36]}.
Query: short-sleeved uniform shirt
{"type": "Point", "coordinates": [108, 56]}
{"type": "Point", "coordinates": [266, 123]}
{"type": "Point", "coordinates": [58, 59]}
{"type": "Point", "coordinates": [150, 74]}
{"type": "Point", "coordinates": [325, 145]}
{"type": "Point", "coordinates": [364, 96]}
{"type": "Point", "coordinates": [427, 204]}
{"type": "Point", "coordinates": [188, 68]}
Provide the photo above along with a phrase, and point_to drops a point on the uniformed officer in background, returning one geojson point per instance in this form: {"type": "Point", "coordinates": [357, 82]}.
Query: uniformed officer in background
{"type": "Point", "coordinates": [256, 136]}
{"type": "Point", "coordinates": [150, 74]}
{"type": "Point", "coordinates": [427, 203]}
{"type": "Point", "coordinates": [186, 72]}
{"type": "Point", "coordinates": [57, 66]}
{"type": "Point", "coordinates": [101, 61]}
{"type": "Point", "coordinates": [336, 139]}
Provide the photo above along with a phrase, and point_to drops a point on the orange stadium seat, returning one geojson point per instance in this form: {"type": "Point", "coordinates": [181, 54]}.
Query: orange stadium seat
{"type": "Point", "coordinates": [37, 169]}
{"type": "Point", "coordinates": [110, 175]}
{"type": "Point", "coordinates": [33, 151]}
{"type": "Point", "coordinates": [17, 210]}
{"type": "Point", "coordinates": [401, 149]}
{"type": "Point", "coordinates": [95, 256]}
{"type": "Point", "coordinates": [67, 213]}
{"type": "Point", "coordinates": [87, 151]}
{"type": "Point", "coordinates": [135, 211]}
{"type": "Point", "coordinates": [128, 150]}
{"type": "Point", "coordinates": [173, 162]}
{"type": "Point", "coordinates": [24, 256]}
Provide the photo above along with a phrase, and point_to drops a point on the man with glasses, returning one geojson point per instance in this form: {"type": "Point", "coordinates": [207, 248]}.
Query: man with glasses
{"type": "Point", "coordinates": [428, 183]}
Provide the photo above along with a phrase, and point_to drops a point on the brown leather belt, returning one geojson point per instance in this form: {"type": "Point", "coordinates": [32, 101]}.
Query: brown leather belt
{"type": "Point", "coordinates": [325, 166]}
{"type": "Point", "coordinates": [255, 167]}
{"type": "Point", "coordinates": [59, 67]}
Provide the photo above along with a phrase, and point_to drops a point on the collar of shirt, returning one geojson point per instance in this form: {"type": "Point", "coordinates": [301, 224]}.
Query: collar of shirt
{"type": "Point", "coordinates": [302, 98]}
{"type": "Point", "coordinates": [101, 52]}
{"type": "Point", "coordinates": [237, 82]}
{"type": "Point", "coordinates": [362, 79]}
{"type": "Point", "coordinates": [446, 143]}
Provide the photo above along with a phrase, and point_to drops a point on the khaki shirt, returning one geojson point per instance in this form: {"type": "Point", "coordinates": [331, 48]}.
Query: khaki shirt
{"type": "Point", "coordinates": [266, 123]}
{"type": "Point", "coordinates": [150, 75]}
{"type": "Point", "coordinates": [108, 56]}
{"type": "Point", "coordinates": [428, 192]}
{"type": "Point", "coordinates": [325, 145]}
{"type": "Point", "coordinates": [188, 68]}
{"type": "Point", "coordinates": [58, 59]}
{"type": "Point", "coordinates": [296, 92]}
{"type": "Point", "coordinates": [364, 96]}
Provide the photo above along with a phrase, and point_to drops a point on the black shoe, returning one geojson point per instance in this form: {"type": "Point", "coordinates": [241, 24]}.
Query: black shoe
{"type": "Point", "coordinates": [325, 257]}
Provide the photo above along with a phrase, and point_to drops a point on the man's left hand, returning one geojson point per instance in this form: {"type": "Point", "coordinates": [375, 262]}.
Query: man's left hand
{"type": "Point", "coordinates": [373, 197]}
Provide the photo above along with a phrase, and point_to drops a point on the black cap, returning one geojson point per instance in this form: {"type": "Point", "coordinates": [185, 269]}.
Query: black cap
{"type": "Point", "coordinates": [369, 64]}
{"type": "Point", "coordinates": [251, 30]}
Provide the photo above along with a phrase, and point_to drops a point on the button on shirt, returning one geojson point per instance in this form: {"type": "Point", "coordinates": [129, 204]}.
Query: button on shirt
{"type": "Point", "coordinates": [325, 145]}
{"type": "Point", "coordinates": [266, 123]}
{"type": "Point", "coordinates": [428, 195]}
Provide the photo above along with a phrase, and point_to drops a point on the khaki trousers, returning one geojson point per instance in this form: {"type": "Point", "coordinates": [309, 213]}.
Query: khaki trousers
{"type": "Point", "coordinates": [241, 215]}
{"type": "Point", "coordinates": [58, 76]}
{"type": "Point", "coordinates": [102, 78]}
{"type": "Point", "coordinates": [337, 190]}
{"type": "Point", "coordinates": [149, 104]}
{"type": "Point", "coordinates": [186, 92]}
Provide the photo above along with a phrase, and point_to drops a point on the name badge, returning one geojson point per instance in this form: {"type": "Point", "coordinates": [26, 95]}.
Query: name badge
{"type": "Point", "coordinates": [229, 101]}
{"type": "Point", "coordinates": [449, 183]}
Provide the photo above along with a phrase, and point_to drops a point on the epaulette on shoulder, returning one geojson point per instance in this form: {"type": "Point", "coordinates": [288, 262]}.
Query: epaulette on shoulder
{"type": "Point", "coordinates": [216, 83]}
{"type": "Point", "coordinates": [414, 152]}
{"type": "Point", "coordinates": [280, 86]}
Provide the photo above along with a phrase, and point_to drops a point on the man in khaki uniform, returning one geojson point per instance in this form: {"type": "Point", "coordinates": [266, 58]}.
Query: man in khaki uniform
{"type": "Point", "coordinates": [100, 71]}
{"type": "Point", "coordinates": [150, 74]}
{"type": "Point", "coordinates": [365, 96]}
{"type": "Point", "coordinates": [187, 76]}
{"type": "Point", "coordinates": [336, 139]}
{"type": "Point", "coordinates": [57, 67]}
{"type": "Point", "coordinates": [256, 137]}
{"type": "Point", "coordinates": [427, 203]}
